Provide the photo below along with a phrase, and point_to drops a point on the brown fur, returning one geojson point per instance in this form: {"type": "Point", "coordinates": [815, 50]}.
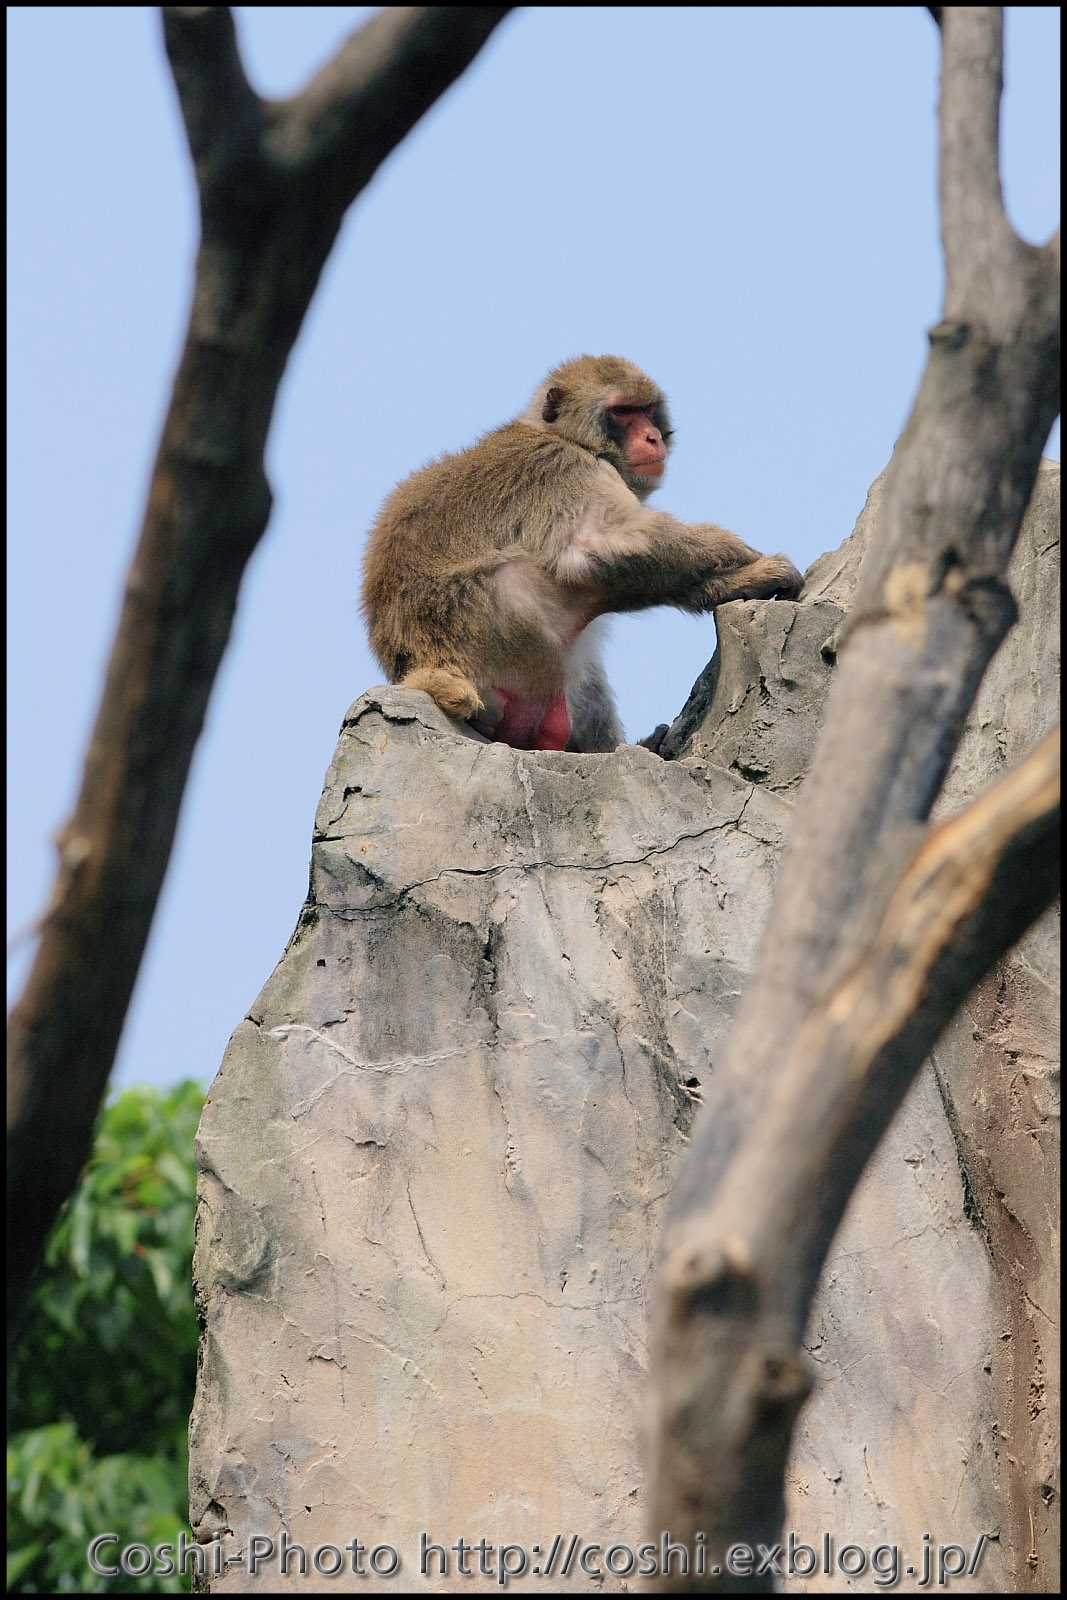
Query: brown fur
{"type": "Point", "coordinates": [484, 568]}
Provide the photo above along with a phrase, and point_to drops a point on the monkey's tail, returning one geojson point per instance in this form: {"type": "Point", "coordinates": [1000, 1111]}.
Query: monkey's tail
{"type": "Point", "coordinates": [453, 692]}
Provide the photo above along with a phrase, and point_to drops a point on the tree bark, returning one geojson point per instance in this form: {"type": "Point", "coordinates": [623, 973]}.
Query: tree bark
{"type": "Point", "coordinates": [742, 1253]}
{"type": "Point", "coordinates": [275, 180]}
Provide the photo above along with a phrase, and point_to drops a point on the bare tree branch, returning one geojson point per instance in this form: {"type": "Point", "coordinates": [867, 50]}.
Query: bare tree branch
{"type": "Point", "coordinates": [222, 112]}
{"type": "Point", "coordinates": [741, 1271]}
{"type": "Point", "coordinates": [932, 607]}
{"type": "Point", "coordinates": [975, 231]}
{"type": "Point", "coordinates": [275, 180]}
{"type": "Point", "coordinates": [973, 888]}
{"type": "Point", "coordinates": [358, 108]}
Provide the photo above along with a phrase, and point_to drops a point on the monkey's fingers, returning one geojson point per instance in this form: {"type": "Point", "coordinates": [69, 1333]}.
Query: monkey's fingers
{"type": "Point", "coordinates": [765, 579]}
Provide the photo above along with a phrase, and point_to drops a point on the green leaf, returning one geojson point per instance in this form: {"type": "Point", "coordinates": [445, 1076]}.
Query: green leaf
{"type": "Point", "coordinates": [103, 1376]}
{"type": "Point", "coordinates": [19, 1560]}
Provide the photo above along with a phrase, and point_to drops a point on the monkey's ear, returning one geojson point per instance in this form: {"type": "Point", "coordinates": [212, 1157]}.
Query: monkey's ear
{"type": "Point", "coordinates": [553, 400]}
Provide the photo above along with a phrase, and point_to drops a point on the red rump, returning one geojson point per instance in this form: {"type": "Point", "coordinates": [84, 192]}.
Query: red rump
{"type": "Point", "coordinates": [533, 724]}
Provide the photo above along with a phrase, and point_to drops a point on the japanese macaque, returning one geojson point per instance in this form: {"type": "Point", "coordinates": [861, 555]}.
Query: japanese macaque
{"type": "Point", "coordinates": [487, 571]}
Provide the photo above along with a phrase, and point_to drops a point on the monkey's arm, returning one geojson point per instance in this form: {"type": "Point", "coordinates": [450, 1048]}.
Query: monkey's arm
{"type": "Point", "coordinates": [622, 557]}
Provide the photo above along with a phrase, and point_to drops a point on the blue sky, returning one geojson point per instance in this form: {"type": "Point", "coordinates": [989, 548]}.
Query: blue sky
{"type": "Point", "coordinates": [741, 200]}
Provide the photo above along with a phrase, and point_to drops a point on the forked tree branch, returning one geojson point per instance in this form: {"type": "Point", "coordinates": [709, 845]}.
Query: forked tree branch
{"type": "Point", "coordinates": [275, 179]}
{"type": "Point", "coordinates": [931, 609]}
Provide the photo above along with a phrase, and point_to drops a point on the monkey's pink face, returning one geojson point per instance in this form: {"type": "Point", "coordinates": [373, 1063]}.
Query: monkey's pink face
{"type": "Point", "coordinates": [636, 429]}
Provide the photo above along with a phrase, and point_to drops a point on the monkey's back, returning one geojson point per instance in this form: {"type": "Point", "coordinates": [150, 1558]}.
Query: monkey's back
{"type": "Point", "coordinates": [439, 537]}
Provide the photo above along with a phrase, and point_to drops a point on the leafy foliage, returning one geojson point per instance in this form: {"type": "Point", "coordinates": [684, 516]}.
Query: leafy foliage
{"type": "Point", "coordinates": [60, 1496]}
{"type": "Point", "coordinates": [103, 1377]}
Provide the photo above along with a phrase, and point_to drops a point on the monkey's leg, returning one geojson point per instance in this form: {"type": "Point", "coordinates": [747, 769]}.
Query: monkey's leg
{"type": "Point", "coordinates": [595, 721]}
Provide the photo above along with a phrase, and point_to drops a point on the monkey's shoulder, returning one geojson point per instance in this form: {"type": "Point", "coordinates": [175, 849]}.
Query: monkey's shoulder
{"type": "Point", "coordinates": [517, 443]}
{"type": "Point", "coordinates": [515, 461]}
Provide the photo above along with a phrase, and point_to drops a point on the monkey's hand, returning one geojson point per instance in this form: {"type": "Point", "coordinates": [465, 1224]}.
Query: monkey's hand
{"type": "Point", "coordinates": [768, 578]}
{"type": "Point", "coordinates": [791, 582]}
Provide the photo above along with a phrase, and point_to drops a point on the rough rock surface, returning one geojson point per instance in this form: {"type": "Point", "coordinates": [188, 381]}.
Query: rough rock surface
{"type": "Point", "coordinates": [998, 1068]}
{"type": "Point", "coordinates": [434, 1162]}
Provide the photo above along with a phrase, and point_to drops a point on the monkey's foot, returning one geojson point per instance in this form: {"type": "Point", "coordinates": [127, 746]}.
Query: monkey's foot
{"type": "Point", "coordinates": [454, 693]}
{"type": "Point", "coordinates": [653, 740]}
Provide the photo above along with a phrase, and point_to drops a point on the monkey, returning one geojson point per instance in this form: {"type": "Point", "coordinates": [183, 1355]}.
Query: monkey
{"type": "Point", "coordinates": [487, 572]}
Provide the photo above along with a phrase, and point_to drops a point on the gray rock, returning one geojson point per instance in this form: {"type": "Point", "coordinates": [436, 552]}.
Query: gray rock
{"type": "Point", "coordinates": [435, 1159]}
{"type": "Point", "coordinates": [998, 1069]}
{"type": "Point", "coordinates": [757, 706]}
